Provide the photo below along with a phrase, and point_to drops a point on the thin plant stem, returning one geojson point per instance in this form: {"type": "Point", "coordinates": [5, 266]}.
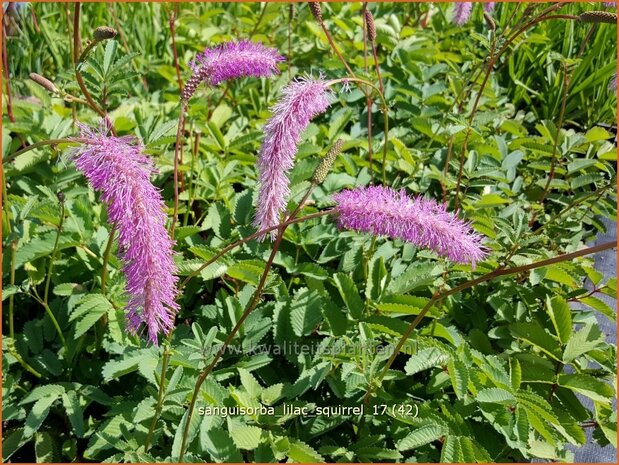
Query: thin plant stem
{"type": "Point", "coordinates": [194, 156]}
{"type": "Point", "coordinates": [172, 23]}
{"type": "Point", "coordinates": [473, 282]}
{"type": "Point", "coordinates": [161, 395]}
{"type": "Point", "coordinates": [252, 305]}
{"type": "Point", "coordinates": [5, 65]}
{"type": "Point", "coordinates": [92, 44]}
{"type": "Point", "coordinates": [77, 57]}
{"type": "Point", "coordinates": [290, 18]}
{"type": "Point", "coordinates": [179, 133]}
{"type": "Point", "coordinates": [54, 253]}
{"type": "Point", "coordinates": [335, 49]}
{"type": "Point", "coordinates": [597, 193]}
{"type": "Point", "coordinates": [49, 312]}
{"type": "Point", "coordinates": [12, 296]}
{"type": "Point", "coordinates": [385, 113]}
{"type": "Point", "coordinates": [5, 201]}
{"type": "Point", "coordinates": [106, 258]}
{"type": "Point", "coordinates": [368, 98]}
{"type": "Point", "coordinates": [377, 67]}
{"type": "Point", "coordinates": [69, 26]}
{"type": "Point", "coordinates": [262, 12]}
{"type": "Point", "coordinates": [77, 41]}
{"type": "Point", "coordinates": [365, 38]}
{"type": "Point", "coordinates": [23, 363]}
{"type": "Point", "coordinates": [41, 143]}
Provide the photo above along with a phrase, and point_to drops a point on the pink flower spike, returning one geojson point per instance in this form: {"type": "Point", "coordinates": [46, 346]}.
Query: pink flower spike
{"type": "Point", "coordinates": [489, 7]}
{"type": "Point", "coordinates": [119, 169]}
{"type": "Point", "coordinates": [301, 101]}
{"type": "Point", "coordinates": [462, 12]}
{"type": "Point", "coordinates": [231, 60]}
{"type": "Point", "coordinates": [383, 211]}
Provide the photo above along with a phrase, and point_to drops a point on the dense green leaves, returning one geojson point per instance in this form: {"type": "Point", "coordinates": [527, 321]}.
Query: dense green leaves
{"type": "Point", "coordinates": [493, 373]}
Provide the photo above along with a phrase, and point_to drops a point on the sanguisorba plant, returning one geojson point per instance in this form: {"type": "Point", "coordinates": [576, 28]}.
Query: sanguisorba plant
{"type": "Point", "coordinates": [119, 169]}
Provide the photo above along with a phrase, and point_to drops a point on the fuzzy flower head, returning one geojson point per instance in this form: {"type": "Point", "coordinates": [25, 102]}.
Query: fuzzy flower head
{"type": "Point", "coordinates": [118, 168]}
{"type": "Point", "coordinates": [301, 101]}
{"type": "Point", "coordinates": [612, 84]}
{"type": "Point", "coordinates": [609, 4]}
{"type": "Point", "coordinates": [231, 60]}
{"type": "Point", "coordinates": [383, 211]}
{"type": "Point", "coordinates": [462, 12]}
{"type": "Point", "coordinates": [489, 7]}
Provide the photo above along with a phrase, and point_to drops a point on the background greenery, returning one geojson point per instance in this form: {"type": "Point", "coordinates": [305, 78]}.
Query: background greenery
{"type": "Point", "coordinates": [494, 370]}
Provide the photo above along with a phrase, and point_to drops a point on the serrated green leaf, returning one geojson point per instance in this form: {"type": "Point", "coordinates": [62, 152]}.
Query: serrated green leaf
{"type": "Point", "coordinates": [108, 57]}
{"type": "Point", "coordinates": [272, 394]}
{"type": "Point", "coordinates": [74, 412]}
{"type": "Point", "coordinates": [459, 375]}
{"type": "Point", "coordinates": [561, 317]}
{"type": "Point", "coordinates": [37, 415]}
{"type": "Point", "coordinates": [45, 448]}
{"type": "Point", "coordinates": [305, 312]}
{"type": "Point", "coordinates": [599, 305]}
{"type": "Point", "coordinates": [587, 386]}
{"type": "Point", "coordinates": [495, 396]}
{"type": "Point", "coordinates": [534, 334]}
{"type": "Point", "coordinates": [515, 373]}
{"type": "Point", "coordinates": [300, 452]}
{"type": "Point", "coordinates": [348, 290]}
{"type": "Point", "coordinates": [422, 436]}
{"type": "Point", "coordinates": [587, 338]}
{"type": "Point", "coordinates": [12, 441]}
{"type": "Point", "coordinates": [250, 384]}
{"type": "Point", "coordinates": [246, 437]}
{"type": "Point", "coordinates": [39, 392]}
{"type": "Point", "coordinates": [378, 278]}
{"type": "Point", "coordinates": [425, 359]}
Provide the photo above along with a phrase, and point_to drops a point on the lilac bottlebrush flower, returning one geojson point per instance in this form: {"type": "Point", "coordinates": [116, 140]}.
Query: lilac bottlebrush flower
{"type": "Point", "coordinates": [381, 210]}
{"type": "Point", "coordinates": [118, 168]}
{"type": "Point", "coordinates": [609, 4]}
{"type": "Point", "coordinates": [231, 60]}
{"type": "Point", "coordinates": [612, 85]}
{"type": "Point", "coordinates": [301, 101]}
{"type": "Point", "coordinates": [462, 12]}
{"type": "Point", "coordinates": [489, 7]}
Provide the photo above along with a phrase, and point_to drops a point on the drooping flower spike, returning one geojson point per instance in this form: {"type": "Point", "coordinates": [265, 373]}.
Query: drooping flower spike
{"type": "Point", "coordinates": [489, 7]}
{"type": "Point", "coordinates": [301, 101]}
{"type": "Point", "coordinates": [119, 169]}
{"type": "Point", "coordinates": [231, 60]}
{"type": "Point", "coordinates": [462, 12]}
{"type": "Point", "coordinates": [384, 211]}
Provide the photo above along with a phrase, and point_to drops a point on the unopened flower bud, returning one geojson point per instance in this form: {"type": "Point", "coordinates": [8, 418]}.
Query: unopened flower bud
{"type": "Point", "coordinates": [489, 21]}
{"type": "Point", "coordinates": [599, 17]}
{"type": "Point", "coordinates": [323, 168]}
{"type": "Point", "coordinates": [370, 26]}
{"type": "Point", "coordinates": [316, 11]}
{"type": "Point", "coordinates": [104, 33]}
{"type": "Point", "coordinates": [44, 82]}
